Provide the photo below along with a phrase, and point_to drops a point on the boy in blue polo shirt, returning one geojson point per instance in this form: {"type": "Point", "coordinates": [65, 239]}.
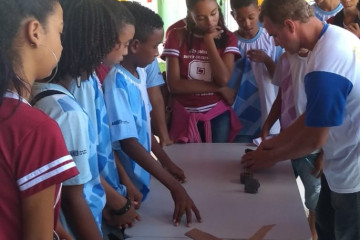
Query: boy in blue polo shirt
{"type": "Point", "coordinates": [129, 109]}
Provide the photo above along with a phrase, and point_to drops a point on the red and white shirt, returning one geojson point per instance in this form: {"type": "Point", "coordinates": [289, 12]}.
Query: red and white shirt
{"type": "Point", "coordinates": [194, 64]}
{"type": "Point", "coordinates": [33, 156]}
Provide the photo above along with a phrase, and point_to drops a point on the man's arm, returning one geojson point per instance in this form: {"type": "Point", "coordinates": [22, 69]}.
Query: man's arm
{"type": "Point", "coordinates": [295, 141]}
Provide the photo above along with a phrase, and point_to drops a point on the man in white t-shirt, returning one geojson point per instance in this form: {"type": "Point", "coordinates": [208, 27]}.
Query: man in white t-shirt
{"type": "Point", "coordinates": [331, 117]}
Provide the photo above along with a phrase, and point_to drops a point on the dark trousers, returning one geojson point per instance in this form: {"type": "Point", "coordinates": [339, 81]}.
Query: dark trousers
{"type": "Point", "coordinates": [337, 215]}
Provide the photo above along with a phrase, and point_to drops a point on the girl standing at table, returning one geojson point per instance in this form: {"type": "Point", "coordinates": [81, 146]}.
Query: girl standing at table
{"type": "Point", "coordinates": [33, 156]}
{"type": "Point", "coordinates": [89, 34]}
{"type": "Point", "coordinates": [200, 59]}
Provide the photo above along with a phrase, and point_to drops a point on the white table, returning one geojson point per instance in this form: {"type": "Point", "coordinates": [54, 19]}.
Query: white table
{"type": "Point", "coordinates": [213, 173]}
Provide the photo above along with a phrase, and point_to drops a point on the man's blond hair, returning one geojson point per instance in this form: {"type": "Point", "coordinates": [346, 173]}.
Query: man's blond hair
{"type": "Point", "coordinates": [279, 10]}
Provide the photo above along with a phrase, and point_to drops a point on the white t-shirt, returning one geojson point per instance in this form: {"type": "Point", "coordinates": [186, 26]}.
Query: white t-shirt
{"type": "Point", "coordinates": [256, 73]}
{"type": "Point", "coordinates": [333, 92]}
{"type": "Point", "coordinates": [79, 136]}
{"type": "Point", "coordinates": [296, 65]}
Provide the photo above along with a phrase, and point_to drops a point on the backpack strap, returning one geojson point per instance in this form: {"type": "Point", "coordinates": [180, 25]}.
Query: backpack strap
{"type": "Point", "coordinates": [44, 94]}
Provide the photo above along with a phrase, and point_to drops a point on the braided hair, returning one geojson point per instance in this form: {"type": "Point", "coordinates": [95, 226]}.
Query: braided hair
{"type": "Point", "coordinates": [89, 34]}
{"type": "Point", "coordinates": [121, 14]}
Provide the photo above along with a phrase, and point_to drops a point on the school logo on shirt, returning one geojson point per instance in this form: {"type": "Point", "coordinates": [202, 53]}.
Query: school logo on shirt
{"type": "Point", "coordinates": [76, 153]}
{"type": "Point", "coordinates": [200, 70]}
{"type": "Point", "coordinates": [118, 122]}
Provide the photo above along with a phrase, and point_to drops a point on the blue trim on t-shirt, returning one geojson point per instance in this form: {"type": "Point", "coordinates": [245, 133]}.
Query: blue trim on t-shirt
{"type": "Point", "coordinates": [323, 30]}
{"type": "Point", "coordinates": [245, 40]}
{"type": "Point", "coordinates": [326, 97]}
{"type": "Point", "coordinates": [327, 13]}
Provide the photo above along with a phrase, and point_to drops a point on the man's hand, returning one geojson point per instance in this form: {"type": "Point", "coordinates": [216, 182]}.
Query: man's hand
{"type": "Point", "coordinates": [258, 159]}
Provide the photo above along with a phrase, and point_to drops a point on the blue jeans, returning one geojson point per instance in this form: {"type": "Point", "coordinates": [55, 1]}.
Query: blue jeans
{"type": "Point", "coordinates": [337, 214]}
{"type": "Point", "coordinates": [303, 167]}
{"type": "Point", "coordinates": [220, 127]}
{"type": "Point", "coordinates": [243, 139]}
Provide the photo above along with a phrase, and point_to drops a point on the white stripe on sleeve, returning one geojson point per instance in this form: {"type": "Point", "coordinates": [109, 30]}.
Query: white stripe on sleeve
{"type": "Point", "coordinates": [172, 52]}
{"type": "Point", "coordinates": [43, 177]}
{"type": "Point", "coordinates": [43, 169]}
{"type": "Point", "coordinates": [232, 49]}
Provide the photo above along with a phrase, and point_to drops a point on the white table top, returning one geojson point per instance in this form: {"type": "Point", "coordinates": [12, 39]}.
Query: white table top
{"type": "Point", "coordinates": [213, 182]}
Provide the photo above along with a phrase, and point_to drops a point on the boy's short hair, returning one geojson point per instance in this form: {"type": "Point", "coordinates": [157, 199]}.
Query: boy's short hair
{"type": "Point", "coordinates": [236, 4]}
{"type": "Point", "coordinates": [279, 10]}
{"type": "Point", "coordinates": [146, 20]}
{"type": "Point", "coordinates": [358, 6]}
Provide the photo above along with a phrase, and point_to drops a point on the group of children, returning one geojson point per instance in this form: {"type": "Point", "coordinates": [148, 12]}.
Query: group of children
{"type": "Point", "coordinates": [108, 136]}
{"type": "Point", "coordinates": [103, 87]}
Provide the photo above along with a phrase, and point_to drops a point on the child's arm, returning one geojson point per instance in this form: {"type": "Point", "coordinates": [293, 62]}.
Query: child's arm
{"type": "Point", "coordinates": [178, 85]}
{"type": "Point", "coordinates": [38, 215]}
{"type": "Point", "coordinates": [132, 192]}
{"type": "Point", "coordinates": [181, 85]}
{"type": "Point", "coordinates": [158, 115]}
{"type": "Point", "coordinates": [257, 55]}
{"type": "Point", "coordinates": [62, 233]}
{"type": "Point", "coordinates": [274, 115]}
{"type": "Point", "coordinates": [115, 201]}
{"type": "Point", "coordinates": [183, 203]}
{"type": "Point", "coordinates": [221, 66]}
{"type": "Point", "coordinates": [354, 28]}
{"type": "Point", "coordinates": [78, 214]}
{"type": "Point", "coordinates": [166, 162]}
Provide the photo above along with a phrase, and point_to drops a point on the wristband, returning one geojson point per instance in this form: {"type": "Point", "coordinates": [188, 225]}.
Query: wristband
{"type": "Point", "coordinates": [124, 209]}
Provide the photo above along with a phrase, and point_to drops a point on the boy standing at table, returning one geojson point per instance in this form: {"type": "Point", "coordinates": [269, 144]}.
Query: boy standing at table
{"type": "Point", "coordinates": [129, 115]}
{"type": "Point", "coordinates": [333, 95]}
{"type": "Point", "coordinates": [154, 83]}
{"type": "Point", "coordinates": [251, 77]}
